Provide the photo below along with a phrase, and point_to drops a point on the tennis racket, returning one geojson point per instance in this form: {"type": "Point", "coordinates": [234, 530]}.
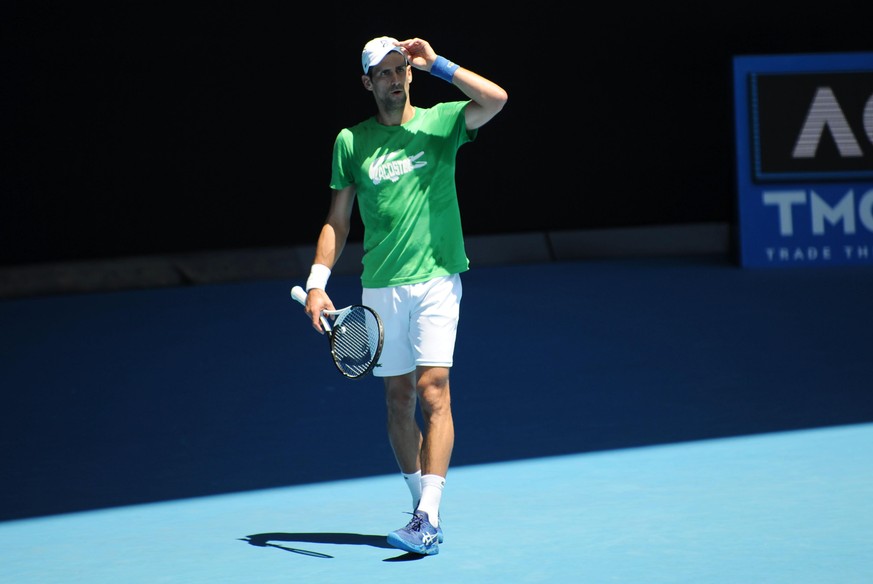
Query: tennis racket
{"type": "Point", "coordinates": [355, 336]}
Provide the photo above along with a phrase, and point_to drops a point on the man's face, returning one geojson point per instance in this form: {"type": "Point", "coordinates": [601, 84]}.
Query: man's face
{"type": "Point", "coordinates": [389, 80]}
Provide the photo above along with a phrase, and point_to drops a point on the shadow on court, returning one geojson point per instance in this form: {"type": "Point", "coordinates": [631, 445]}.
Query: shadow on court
{"type": "Point", "coordinates": [376, 541]}
{"type": "Point", "coordinates": [267, 539]}
{"type": "Point", "coordinates": [129, 397]}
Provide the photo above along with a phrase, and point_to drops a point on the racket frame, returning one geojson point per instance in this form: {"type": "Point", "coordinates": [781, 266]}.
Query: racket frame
{"type": "Point", "coordinates": [300, 296]}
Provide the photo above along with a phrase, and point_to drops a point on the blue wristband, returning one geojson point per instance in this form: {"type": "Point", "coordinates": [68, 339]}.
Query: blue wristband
{"type": "Point", "coordinates": [444, 69]}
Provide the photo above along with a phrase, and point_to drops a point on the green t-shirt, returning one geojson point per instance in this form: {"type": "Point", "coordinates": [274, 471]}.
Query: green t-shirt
{"type": "Point", "coordinates": [404, 177]}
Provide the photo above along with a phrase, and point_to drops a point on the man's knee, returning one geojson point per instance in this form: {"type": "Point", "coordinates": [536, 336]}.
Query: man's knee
{"type": "Point", "coordinates": [433, 389]}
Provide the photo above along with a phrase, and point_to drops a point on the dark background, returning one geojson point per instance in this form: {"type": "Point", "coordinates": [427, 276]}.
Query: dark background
{"type": "Point", "coordinates": [133, 127]}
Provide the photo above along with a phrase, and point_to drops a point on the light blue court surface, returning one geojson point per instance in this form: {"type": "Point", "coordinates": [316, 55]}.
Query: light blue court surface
{"type": "Point", "coordinates": [682, 420]}
{"type": "Point", "coordinates": [787, 507]}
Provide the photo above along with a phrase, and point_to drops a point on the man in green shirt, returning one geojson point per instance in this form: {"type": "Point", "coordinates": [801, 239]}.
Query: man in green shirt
{"type": "Point", "coordinates": [400, 167]}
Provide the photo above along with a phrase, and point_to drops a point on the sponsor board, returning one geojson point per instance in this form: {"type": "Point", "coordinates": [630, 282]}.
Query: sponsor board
{"type": "Point", "coordinates": [804, 145]}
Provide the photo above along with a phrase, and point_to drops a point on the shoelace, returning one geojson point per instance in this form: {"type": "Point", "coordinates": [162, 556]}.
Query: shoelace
{"type": "Point", "coordinates": [414, 523]}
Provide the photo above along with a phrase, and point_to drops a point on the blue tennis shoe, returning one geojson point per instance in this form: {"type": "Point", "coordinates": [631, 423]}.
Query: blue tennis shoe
{"type": "Point", "coordinates": [419, 536]}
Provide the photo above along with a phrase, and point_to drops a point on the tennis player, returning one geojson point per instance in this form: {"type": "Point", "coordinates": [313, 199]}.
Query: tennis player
{"type": "Point", "coordinates": [400, 166]}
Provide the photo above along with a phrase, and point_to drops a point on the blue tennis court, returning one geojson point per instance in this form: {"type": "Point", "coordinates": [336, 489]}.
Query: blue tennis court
{"type": "Point", "coordinates": [653, 420]}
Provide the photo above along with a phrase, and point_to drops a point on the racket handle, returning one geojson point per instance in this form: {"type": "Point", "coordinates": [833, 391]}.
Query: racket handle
{"type": "Point", "coordinates": [298, 294]}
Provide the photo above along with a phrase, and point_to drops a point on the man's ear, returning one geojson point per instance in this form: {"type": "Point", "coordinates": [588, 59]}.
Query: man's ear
{"type": "Point", "coordinates": [368, 83]}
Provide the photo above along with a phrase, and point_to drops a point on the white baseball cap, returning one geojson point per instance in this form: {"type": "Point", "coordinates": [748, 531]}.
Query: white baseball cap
{"type": "Point", "coordinates": [376, 50]}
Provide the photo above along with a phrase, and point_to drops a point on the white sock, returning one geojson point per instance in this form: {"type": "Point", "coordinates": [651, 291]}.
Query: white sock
{"type": "Point", "coordinates": [431, 495]}
{"type": "Point", "coordinates": [413, 481]}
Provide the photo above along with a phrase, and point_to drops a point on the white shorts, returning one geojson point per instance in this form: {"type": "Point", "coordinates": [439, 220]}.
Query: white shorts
{"type": "Point", "coordinates": [421, 323]}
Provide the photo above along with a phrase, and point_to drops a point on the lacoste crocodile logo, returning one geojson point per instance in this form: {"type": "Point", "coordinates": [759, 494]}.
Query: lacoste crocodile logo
{"type": "Point", "coordinates": [386, 168]}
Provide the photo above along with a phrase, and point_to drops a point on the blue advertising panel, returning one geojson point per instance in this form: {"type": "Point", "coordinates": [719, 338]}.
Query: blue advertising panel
{"type": "Point", "coordinates": [804, 139]}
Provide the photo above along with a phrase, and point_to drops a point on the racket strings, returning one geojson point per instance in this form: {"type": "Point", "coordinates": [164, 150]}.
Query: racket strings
{"type": "Point", "coordinates": [355, 340]}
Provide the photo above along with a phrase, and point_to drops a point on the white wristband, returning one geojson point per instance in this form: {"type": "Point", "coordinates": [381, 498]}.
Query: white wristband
{"type": "Point", "coordinates": [318, 276]}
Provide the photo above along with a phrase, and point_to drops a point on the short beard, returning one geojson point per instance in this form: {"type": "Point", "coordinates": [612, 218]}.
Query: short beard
{"type": "Point", "coordinates": [393, 104]}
